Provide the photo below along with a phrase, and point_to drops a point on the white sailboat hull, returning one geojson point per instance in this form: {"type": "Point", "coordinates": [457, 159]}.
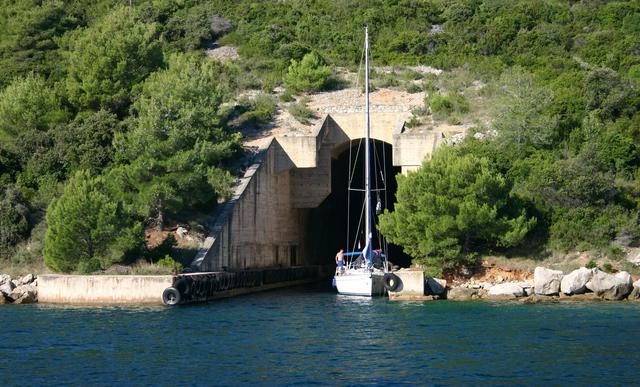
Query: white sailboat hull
{"type": "Point", "coordinates": [360, 283]}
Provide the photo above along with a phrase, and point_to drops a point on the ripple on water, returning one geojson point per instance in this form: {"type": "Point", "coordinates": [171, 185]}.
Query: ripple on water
{"type": "Point", "coordinates": [308, 336]}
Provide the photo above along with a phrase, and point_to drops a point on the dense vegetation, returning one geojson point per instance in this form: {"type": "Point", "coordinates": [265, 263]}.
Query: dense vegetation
{"type": "Point", "coordinates": [113, 115]}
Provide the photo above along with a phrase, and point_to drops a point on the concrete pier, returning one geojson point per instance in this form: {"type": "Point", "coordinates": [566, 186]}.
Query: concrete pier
{"type": "Point", "coordinates": [102, 289]}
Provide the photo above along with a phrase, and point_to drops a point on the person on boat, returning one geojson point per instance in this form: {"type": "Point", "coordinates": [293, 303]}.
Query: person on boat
{"type": "Point", "coordinates": [340, 262]}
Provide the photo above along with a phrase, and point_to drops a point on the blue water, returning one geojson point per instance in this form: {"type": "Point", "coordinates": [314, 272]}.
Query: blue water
{"type": "Point", "coordinates": [311, 336]}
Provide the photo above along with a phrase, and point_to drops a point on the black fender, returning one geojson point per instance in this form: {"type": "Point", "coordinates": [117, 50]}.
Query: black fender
{"type": "Point", "coordinates": [391, 282]}
{"type": "Point", "coordinates": [184, 286]}
{"type": "Point", "coordinates": [171, 296]}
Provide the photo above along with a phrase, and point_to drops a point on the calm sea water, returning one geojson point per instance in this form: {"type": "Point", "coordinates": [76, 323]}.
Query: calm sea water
{"type": "Point", "coordinates": [311, 336]}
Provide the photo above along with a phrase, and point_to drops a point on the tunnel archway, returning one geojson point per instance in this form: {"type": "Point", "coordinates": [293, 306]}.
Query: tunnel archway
{"type": "Point", "coordinates": [334, 224]}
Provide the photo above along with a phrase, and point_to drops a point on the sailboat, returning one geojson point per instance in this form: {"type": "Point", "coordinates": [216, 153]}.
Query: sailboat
{"type": "Point", "coordinates": [367, 272]}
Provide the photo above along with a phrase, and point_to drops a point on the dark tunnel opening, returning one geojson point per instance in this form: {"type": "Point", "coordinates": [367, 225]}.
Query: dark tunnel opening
{"type": "Point", "coordinates": [340, 212]}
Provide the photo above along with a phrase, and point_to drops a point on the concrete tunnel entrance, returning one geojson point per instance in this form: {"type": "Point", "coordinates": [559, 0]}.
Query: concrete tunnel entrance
{"type": "Point", "coordinates": [340, 212]}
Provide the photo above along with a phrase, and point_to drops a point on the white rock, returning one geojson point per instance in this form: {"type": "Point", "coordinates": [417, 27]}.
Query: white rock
{"type": "Point", "coordinates": [6, 288]}
{"type": "Point", "coordinates": [27, 279]}
{"type": "Point", "coordinates": [28, 294]}
{"type": "Point", "coordinates": [506, 289]}
{"type": "Point", "coordinates": [181, 231]}
{"type": "Point", "coordinates": [624, 276]}
{"type": "Point", "coordinates": [610, 287]}
{"type": "Point", "coordinates": [546, 281]}
{"type": "Point", "coordinates": [576, 281]}
{"type": "Point", "coordinates": [4, 278]}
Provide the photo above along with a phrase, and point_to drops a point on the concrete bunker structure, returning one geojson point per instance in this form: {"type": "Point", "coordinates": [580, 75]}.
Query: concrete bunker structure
{"type": "Point", "coordinates": [269, 222]}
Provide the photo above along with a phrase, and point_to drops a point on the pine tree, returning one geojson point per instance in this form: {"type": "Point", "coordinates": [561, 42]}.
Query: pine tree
{"type": "Point", "coordinates": [88, 230]}
{"type": "Point", "coordinates": [450, 208]}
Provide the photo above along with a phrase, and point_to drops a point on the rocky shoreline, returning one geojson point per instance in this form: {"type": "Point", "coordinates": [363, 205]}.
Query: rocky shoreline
{"type": "Point", "coordinates": [548, 285]}
{"type": "Point", "coordinates": [23, 290]}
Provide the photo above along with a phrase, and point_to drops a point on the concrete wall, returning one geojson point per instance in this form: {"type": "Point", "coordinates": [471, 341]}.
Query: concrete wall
{"type": "Point", "coordinates": [264, 224]}
{"type": "Point", "coordinates": [262, 228]}
{"type": "Point", "coordinates": [102, 289]}
{"type": "Point", "coordinates": [411, 283]}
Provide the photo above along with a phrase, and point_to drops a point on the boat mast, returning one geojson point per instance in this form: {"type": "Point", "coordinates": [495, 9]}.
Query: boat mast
{"type": "Point", "coordinates": [367, 168]}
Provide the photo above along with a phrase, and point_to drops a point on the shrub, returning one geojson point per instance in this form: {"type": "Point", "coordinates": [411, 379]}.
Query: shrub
{"type": "Point", "coordinates": [258, 111]}
{"type": "Point", "coordinates": [307, 75]}
{"type": "Point", "coordinates": [286, 96]}
{"type": "Point", "coordinates": [301, 112]}
{"type": "Point", "coordinates": [591, 264]}
{"type": "Point", "coordinates": [170, 263]}
{"type": "Point", "coordinates": [444, 105]}
{"type": "Point", "coordinates": [453, 120]}
{"type": "Point", "coordinates": [414, 88]}
{"type": "Point", "coordinates": [413, 122]}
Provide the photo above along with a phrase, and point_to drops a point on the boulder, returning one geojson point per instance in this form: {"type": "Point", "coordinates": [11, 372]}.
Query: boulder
{"type": "Point", "coordinates": [27, 279]}
{"type": "Point", "coordinates": [576, 281]}
{"type": "Point", "coordinates": [29, 295]}
{"type": "Point", "coordinates": [546, 281]}
{"type": "Point", "coordinates": [4, 278]}
{"type": "Point", "coordinates": [635, 294]}
{"type": "Point", "coordinates": [506, 289]}
{"type": "Point", "coordinates": [462, 294]}
{"type": "Point", "coordinates": [17, 292]}
{"type": "Point", "coordinates": [610, 287]}
{"type": "Point", "coordinates": [6, 288]}
{"type": "Point", "coordinates": [3, 299]}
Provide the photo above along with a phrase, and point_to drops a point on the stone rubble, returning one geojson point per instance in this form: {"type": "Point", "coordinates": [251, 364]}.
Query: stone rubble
{"type": "Point", "coordinates": [23, 290]}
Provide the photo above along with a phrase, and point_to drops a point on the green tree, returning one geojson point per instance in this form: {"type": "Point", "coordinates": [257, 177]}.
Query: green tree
{"type": "Point", "coordinates": [30, 29]}
{"type": "Point", "coordinates": [86, 142]}
{"type": "Point", "coordinates": [307, 75]}
{"type": "Point", "coordinates": [87, 229]}
{"type": "Point", "coordinates": [14, 219]}
{"type": "Point", "coordinates": [27, 106]}
{"type": "Point", "coordinates": [174, 153]}
{"type": "Point", "coordinates": [451, 208]}
{"type": "Point", "coordinates": [520, 113]}
{"type": "Point", "coordinates": [105, 61]}
{"type": "Point", "coordinates": [29, 110]}
{"type": "Point", "coordinates": [609, 95]}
